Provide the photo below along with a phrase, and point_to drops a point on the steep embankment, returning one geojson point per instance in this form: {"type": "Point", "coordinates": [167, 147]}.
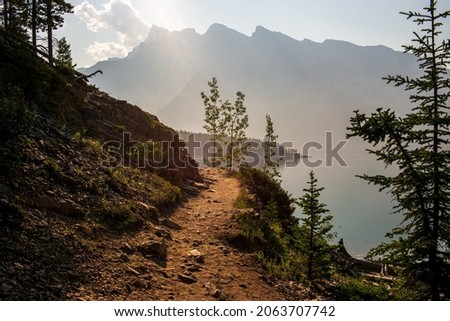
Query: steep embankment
{"type": "Point", "coordinates": [60, 204]}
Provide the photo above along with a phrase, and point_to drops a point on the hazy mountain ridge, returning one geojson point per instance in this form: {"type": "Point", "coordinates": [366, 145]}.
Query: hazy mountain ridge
{"type": "Point", "coordinates": [299, 82]}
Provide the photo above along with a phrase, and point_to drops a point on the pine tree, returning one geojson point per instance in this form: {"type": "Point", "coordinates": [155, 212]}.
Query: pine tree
{"type": "Point", "coordinates": [316, 232]}
{"type": "Point", "coordinates": [235, 122]}
{"type": "Point", "coordinates": [34, 22]}
{"type": "Point", "coordinates": [50, 16]}
{"type": "Point", "coordinates": [15, 17]}
{"type": "Point", "coordinates": [213, 106]}
{"type": "Point", "coordinates": [63, 53]}
{"type": "Point", "coordinates": [418, 144]}
{"type": "Point", "coordinates": [269, 147]}
{"type": "Point", "coordinates": [5, 6]}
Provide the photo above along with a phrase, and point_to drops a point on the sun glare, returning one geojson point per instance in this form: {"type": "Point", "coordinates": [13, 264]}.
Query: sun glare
{"type": "Point", "coordinates": [163, 13]}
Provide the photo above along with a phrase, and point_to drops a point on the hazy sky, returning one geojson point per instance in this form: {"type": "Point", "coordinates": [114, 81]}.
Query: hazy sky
{"type": "Point", "coordinates": [102, 29]}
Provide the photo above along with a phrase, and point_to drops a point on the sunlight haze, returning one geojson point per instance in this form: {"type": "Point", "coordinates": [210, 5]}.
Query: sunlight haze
{"type": "Point", "coordinates": [102, 29]}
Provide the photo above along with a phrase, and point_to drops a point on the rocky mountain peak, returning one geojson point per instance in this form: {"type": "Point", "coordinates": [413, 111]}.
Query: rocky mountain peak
{"type": "Point", "coordinates": [156, 33]}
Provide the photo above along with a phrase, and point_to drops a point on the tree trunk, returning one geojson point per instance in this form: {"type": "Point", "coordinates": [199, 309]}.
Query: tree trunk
{"type": "Point", "coordinates": [50, 45]}
{"type": "Point", "coordinates": [433, 254]}
{"type": "Point", "coordinates": [215, 149]}
{"type": "Point", "coordinates": [5, 13]}
{"type": "Point", "coordinates": [49, 32]}
{"type": "Point", "coordinates": [34, 23]}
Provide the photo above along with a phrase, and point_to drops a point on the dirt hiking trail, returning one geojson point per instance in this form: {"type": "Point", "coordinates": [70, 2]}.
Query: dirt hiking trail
{"type": "Point", "coordinates": [185, 256]}
{"type": "Point", "coordinates": [200, 250]}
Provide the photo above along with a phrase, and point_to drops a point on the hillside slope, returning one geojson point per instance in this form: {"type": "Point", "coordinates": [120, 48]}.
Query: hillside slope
{"type": "Point", "coordinates": [63, 191]}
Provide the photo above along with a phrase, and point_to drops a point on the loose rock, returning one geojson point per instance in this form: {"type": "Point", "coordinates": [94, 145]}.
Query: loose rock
{"type": "Point", "coordinates": [46, 203]}
{"type": "Point", "coordinates": [126, 248]}
{"type": "Point", "coordinates": [197, 255]}
{"type": "Point", "coordinates": [159, 249]}
{"type": "Point", "coordinates": [132, 271]}
{"type": "Point", "coordinates": [171, 224]}
{"type": "Point", "coordinates": [187, 279]}
{"type": "Point", "coordinates": [5, 289]}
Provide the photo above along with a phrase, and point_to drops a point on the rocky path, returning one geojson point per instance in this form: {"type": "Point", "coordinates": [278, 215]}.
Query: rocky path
{"type": "Point", "coordinates": [186, 256]}
{"type": "Point", "coordinates": [202, 264]}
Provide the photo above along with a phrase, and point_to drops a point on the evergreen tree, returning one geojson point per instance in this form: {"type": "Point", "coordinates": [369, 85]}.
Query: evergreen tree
{"type": "Point", "coordinates": [34, 21]}
{"type": "Point", "coordinates": [5, 12]}
{"type": "Point", "coordinates": [15, 17]}
{"type": "Point", "coordinates": [63, 53]}
{"type": "Point", "coordinates": [4, 6]}
{"type": "Point", "coordinates": [235, 122]}
{"type": "Point", "coordinates": [316, 232]}
{"type": "Point", "coordinates": [418, 144]}
{"type": "Point", "coordinates": [213, 106]}
{"type": "Point", "coordinates": [50, 16]}
{"type": "Point", "coordinates": [20, 15]}
{"type": "Point", "coordinates": [269, 147]}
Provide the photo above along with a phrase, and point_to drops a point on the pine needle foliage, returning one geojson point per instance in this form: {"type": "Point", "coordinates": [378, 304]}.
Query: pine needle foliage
{"type": "Point", "coordinates": [418, 144]}
{"type": "Point", "coordinates": [317, 232]}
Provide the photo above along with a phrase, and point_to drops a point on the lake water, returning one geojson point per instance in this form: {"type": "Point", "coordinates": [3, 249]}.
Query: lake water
{"type": "Point", "coordinates": [361, 214]}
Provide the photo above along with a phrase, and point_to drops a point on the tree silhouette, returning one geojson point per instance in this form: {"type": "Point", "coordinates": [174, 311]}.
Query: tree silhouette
{"type": "Point", "coordinates": [316, 231]}
{"type": "Point", "coordinates": [50, 16]}
{"type": "Point", "coordinates": [63, 53]}
{"type": "Point", "coordinates": [269, 147]}
{"type": "Point", "coordinates": [418, 144]}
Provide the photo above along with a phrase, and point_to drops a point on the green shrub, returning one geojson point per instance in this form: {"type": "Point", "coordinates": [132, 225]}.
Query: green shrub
{"type": "Point", "coordinates": [52, 167]}
{"type": "Point", "coordinates": [121, 216]}
{"type": "Point", "coordinates": [273, 231]}
{"type": "Point", "coordinates": [289, 267]}
{"type": "Point", "coordinates": [267, 189]}
{"type": "Point", "coordinates": [249, 234]}
{"type": "Point", "coordinates": [351, 289]}
{"type": "Point", "coordinates": [244, 200]}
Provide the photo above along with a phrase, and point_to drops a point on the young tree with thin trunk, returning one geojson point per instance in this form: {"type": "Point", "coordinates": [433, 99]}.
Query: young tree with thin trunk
{"type": "Point", "coordinates": [213, 106]}
{"type": "Point", "coordinates": [269, 149]}
{"type": "Point", "coordinates": [419, 145]}
{"type": "Point", "coordinates": [316, 232]}
{"type": "Point", "coordinates": [51, 17]}
{"type": "Point", "coordinates": [226, 123]}
{"type": "Point", "coordinates": [235, 122]}
{"type": "Point", "coordinates": [34, 22]}
{"type": "Point", "coordinates": [63, 53]}
{"type": "Point", "coordinates": [5, 4]}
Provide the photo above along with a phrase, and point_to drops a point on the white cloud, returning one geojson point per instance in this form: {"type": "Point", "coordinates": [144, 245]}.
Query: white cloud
{"type": "Point", "coordinates": [103, 50]}
{"type": "Point", "coordinates": [118, 16]}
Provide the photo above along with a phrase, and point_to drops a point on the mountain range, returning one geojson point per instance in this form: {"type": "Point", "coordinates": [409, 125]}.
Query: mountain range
{"type": "Point", "coordinates": [307, 87]}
